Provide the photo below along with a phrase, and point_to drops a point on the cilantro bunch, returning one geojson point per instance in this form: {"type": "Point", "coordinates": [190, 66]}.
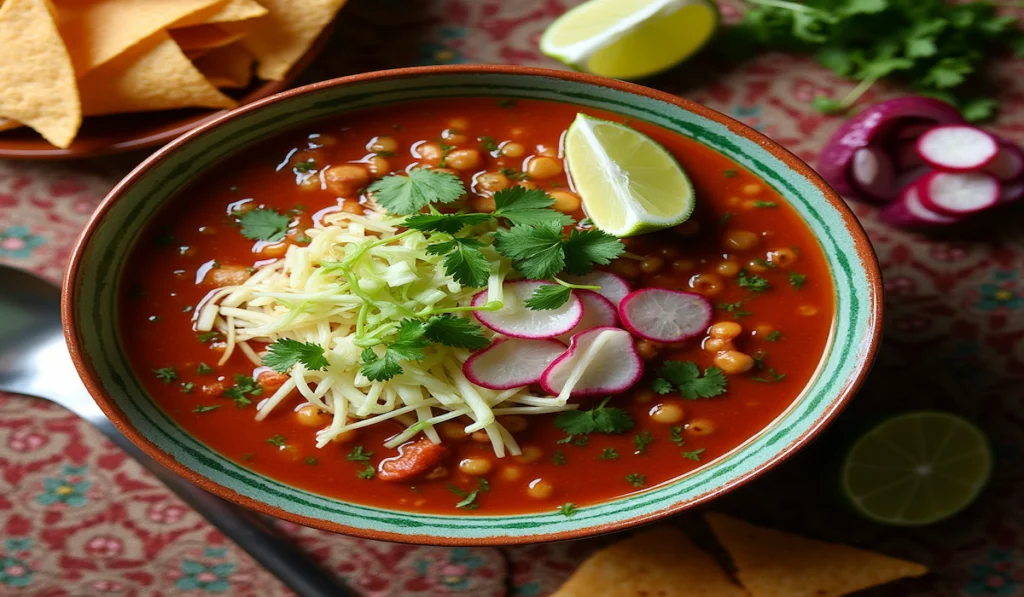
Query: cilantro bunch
{"type": "Point", "coordinates": [936, 47]}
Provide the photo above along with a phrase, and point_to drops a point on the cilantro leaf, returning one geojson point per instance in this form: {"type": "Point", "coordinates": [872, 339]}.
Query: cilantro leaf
{"type": "Point", "coordinates": [409, 342]}
{"type": "Point", "coordinates": [244, 387]}
{"type": "Point", "coordinates": [264, 224]}
{"type": "Point", "coordinates": [358, 454]}
{"type": "Point", "coordinates": [456, 331]}
{"type": "Point", "coordinates": [662, 386]}
{"type": "Point", "coordinates": [694, 455]}
{"type": "Point", "coordinates": [465, 263]}
{"type": "Point", "coordinates": [585, 248]}
{"type": "Point", "coordinates": [608, 454]}
{"type": "Point", "coordinates": [447, 223]}
{"type": "Point", "coordinates": [527, 207]}
{"type": "Point", "coordinates": [567, 509]}
{"type": "Point", "coordinates": [642, 440]}
{"type": "Point", "coordinates": [601, 419]}
{"type": "Point", "coordinates": [406, 195]}
{"type": "Point", "coordinates": [797, 280]}
{"type": "Point", "coordinates": [535, 251]}
{"type": "Point", "coordinates": [636, 479]}
{"type": "Point", "coordinates": [379, 368]}
{"type": "Point", "coordinates": [285, 353]}
{"type": "Point", "coordinates": [367, 473]}
{"type": "Point", "coordinates": [753, 283]}
{"type": "Point", "coordinates": [685, 377]}
{"type": "Point", "coordinates": [166, 374]}
{"type": "Point", "coordinates": [549, 296]}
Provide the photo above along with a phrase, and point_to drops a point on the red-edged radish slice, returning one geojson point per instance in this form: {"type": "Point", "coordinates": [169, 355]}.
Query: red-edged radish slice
{"type": "Point", "coordinates": [909, 177]}
{"type": "Point", "coordinates": [908, 212]}
{"type": "Point", "coordinates": [597, 312]}
{"type": "Point", "coordinates": [912, 130]}
{"type": "Point", "coordinates": [517, 320]}
{"type": "Point", "coordinates": [1008, 164]}
{"type": "Point", "coordinates": [958, 193]}
{"type": "Point", "coordinates": [511, 362]}
{"type": "Point", "coordinates": [1011, 192]}
{"type": "Point", "coordinates": [599, 361]}
{"type": "Point", "coordinates": [906, 157]}
{"type": "Point", "coordinates": [957, 148]}
{"type": "Point", "coordinates": [873, 172]}
{"type": "Point", "coordinates": [664, 315]}
{"type": "Point", "coordinates": [613, 287]}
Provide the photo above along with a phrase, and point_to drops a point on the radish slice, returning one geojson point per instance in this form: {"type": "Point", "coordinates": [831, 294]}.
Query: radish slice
{"type": "Point", "coordinates": [517, 320]}
{"type": "Point", "coordinates": [908, 212]}
{"type": "Point", "coordinates": [664, 315]}
{"type": "Point", "coordinates": [1008, 164]}
{"type": "Point", "coordinates": [906, 156]}
{"type": "Point", "coordinates": [511, 362]}
{"type": "Point", "coordinates": [958, 194]}
{"type": "Point", "coordinates": [613, 287]}
{"type": "Point", "coordinates": [599, 361]}
{"type": "Point", "coordinates": [597, 312]}
{"type": "Point", "coordinates": [1011, 192]}
{"type": "Point", "coordinates": [911, 176]}
{"type": "Point", "coordinates": [873, 172]}
{"type": "Point", "coordinates": [957, 148]}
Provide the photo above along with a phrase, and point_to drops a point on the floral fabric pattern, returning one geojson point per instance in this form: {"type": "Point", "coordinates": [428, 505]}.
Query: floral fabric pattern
{"type": "Point", "coordinates": [79, 518]}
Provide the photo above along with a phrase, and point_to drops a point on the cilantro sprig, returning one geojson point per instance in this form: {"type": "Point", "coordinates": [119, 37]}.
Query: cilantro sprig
{"type": "Point", "coordinates": [685, 377]}
{"type": "Point", "coordinates": [413, 336]}
{"type": "Point", "coordinates": [285, 353]}
{"type": "Point", "coordinates": [600, 419]}
{"type": "Point", "coordinates": [264, 224]}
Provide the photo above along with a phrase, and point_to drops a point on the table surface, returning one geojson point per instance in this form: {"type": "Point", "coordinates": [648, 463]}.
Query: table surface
{"type": "Point", "coordinates": [78, 518]}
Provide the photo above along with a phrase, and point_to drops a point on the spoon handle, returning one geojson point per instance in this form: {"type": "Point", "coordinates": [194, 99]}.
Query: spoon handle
{"type": "Point", "coordinates": [246, 528]}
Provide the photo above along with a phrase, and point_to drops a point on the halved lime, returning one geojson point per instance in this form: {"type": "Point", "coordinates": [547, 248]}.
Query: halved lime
{"type": "Point", "coordinates": [628, 183]}
{"type": "Point", "coordinates": [630, 39]}
{"type": "Point", "coordinates": [917, 468]}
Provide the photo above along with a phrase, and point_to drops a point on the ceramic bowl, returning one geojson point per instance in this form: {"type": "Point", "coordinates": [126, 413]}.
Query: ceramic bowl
{"type": "Point", "coordinates": [90, 301]}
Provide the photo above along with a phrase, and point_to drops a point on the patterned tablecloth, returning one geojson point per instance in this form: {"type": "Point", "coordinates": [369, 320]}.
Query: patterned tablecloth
{"type": "Point", "coordinates": [78, 518]}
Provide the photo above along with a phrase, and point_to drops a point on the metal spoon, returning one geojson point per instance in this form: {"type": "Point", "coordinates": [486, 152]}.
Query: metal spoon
{"type": "Point", "coordinates": [34, 360]}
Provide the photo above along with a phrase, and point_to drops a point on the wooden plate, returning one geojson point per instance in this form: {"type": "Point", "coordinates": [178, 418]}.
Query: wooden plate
{"type": "Point", "coordinates": [119, 133]}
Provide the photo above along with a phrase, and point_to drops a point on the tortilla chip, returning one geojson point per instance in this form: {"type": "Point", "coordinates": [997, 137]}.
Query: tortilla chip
{"type": "Point", "coordinates": [656, 562]}
{"type": "Point", "coordinates": [37, 81]}
{"type": "Point", "coordinates": [229, 67]}
{"type": "Point", "coordinates": [279, 39]}
{"type": "Point", "coordinates": [203, 37]}
{"type": "Point", "coordinates": [232, 10]}
{"type": "Point", "coordinates": [771, 563]}
{"type": "Point", "coordinates": [96, 32]}
{"type": "Point", "coordinates": [154, 76]}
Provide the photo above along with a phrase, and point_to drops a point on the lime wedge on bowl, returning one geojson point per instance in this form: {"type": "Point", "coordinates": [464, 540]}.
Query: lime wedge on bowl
{"type": "Point", "coordinates": [917, 468]}
{"type": "Point", "coordinates": [628, 183]}
{"type": "Point", "coordinates": [630, 39]}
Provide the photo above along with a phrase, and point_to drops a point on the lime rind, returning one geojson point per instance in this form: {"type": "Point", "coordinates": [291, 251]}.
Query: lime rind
{"type": "Point", "coordinates": [634, 210]}
{"type": "Point", "coordinates": [961, 489]}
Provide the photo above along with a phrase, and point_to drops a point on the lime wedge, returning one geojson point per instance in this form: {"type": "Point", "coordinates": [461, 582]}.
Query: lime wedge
{"type": "Point", "coordinates": [628, 183]}
{"type": "Point", "coordinates": [917, 468]}
{"type": "Point", "coordinates": [630, 39]}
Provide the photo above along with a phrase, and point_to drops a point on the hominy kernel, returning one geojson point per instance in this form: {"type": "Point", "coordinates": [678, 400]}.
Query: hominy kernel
{"type": "Point", "coordinates": [386, 144]}
{"type": "Point", "coordinates": [717, 344]}
{"type": "Point", "coordinates": [700, 427]}
{"type": "Point", "coordinates": [782, 257]}
{"type": "Point", "coordinates": [647, 349]}
{"type": "Point", "coordinates": [547, 150]}
{"type": "Point", "coordinates": [492, 182]}
{"type": "Point", "coordinates": [543, 167]}
{"type": "Point", "coordinates": [481, 437]}
{"type": "Point", "coordinates": [530, 454]}
{"type": "Point", "coordinates": [565, 202]}
{"type": "Point", "coordinates": [346, 180]}
{"type": "Point", "coordinates": [763, 329]}
{"type": "Point", "coordinates": [484, 205]}
{"type": "Point", "coordinates": [540, 489]}
{"type": "Point", "coordinates": [511, 473]}
{"type": "Point", "coordinates": [513, 150]}
{"type": "Point", "coordinates": [626, 267]}
{"type": "Point", "coordinates": [726, 330]}
{"type": "Point", "coordinates": [309, 415]}
{"type": "Point", "coordinates": [739, 240]}
{"type": "Point", "coordinates": [452, 137]}
{"type": "Point", "coordinates": [757, 266]}
{"type": "Point", "coordinates": [707, 284]}
{"type": "Point", "coordinates": [353, 207]}
{"type": "Point", "coordinates": [652, 264]}
{"type": "Point", "coordinates": [514, 423]}
{"type": "Point", "coordinates": [669, 252]}
{"type": "Point", "coordinates": [345, 437]}
{"type": "Point", "coordinates": [752, 188]}
{"type": "Point", "coordinates": [475, 466]}
{"type": "Point", "coordinates": [379, 167]}
{"type": "Point", "coordinates": [734, 362]}
{"type": "Point", "coordinates": [274, 250]}
{"type": "Point", "coordinates": [429, 152]}
{"type": "Point", "coordinates": [527, 184]}
{"type": "Point", "coordinates": [451, 430]}
{"type": "Point", "coordinates": [682, 266]}
{"type": "Point", "coordinates": [807, 310]}
{"type": "Point", "coordinates": [459, 124]}
{"type": "Point", "coordinates": [464, 159]}
{"type": "Point", "coordinates": [728, 268]}
{"type": "Point", "coordinates": [667, 414]}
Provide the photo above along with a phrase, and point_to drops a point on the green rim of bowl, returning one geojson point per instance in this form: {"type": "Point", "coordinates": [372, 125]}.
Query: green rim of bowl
{"type": "Point", "coordinates": [91, 295]}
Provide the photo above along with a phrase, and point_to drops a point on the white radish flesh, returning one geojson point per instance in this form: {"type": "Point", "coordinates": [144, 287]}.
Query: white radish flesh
{"type": "Point", "coordinates": [599, 361]}
{"type": "Point", "coordinates": [613, 287]}
{"type": "Point", "coordinates": [1008, 164]}
{"type": "Point", "coordinates": [957, 148]}
{"type": "Point", "coordinates": [664, 315]}
{"type": "Point", "coordinates": [958, 194]}
{"type": "Point", "coordinates": [873, 172]}
{"type": "Point", "coordinates": [597, 312]}
{"type": "Point", "coordinates": [517, 320]}
{"type": "Point", "coordinates": [511, 362]}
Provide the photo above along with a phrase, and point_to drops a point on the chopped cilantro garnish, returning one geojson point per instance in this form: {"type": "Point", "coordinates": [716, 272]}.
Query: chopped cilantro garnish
{"type": "Point", "coordinates": [407, 195]}
{"type": "Point", "coordinates": [205, 337]}
{"type": "Point", "coordinates": [642, 440]}
{"type": "Point", "coordinates": [675, 435]}
{"type": "Point", "coordinates": [567, 509]}
{"type": "Point", "coordinates": [277, 440]}
{"type": "Point", "coordinates": [464, 262]}
{"type": "Point", "coordinates": [512, 174]}
{"type": "Point", "coordinates": [367, 473]}
{"type": "Point", "coordinates": [540, 252]}
{"type": "Point", "coordinates": [305, 167]}
{"type": "Point", "coordinates": [285, 353]}
{"type": "Point", "coordinates": [248, 457]}
{"type": "Point", "coordinates": [685, 377]}
{"type": "Point", "coordinates": [797, 280]}
{"type": "Point", "coordinates": [457, 332]}
{"type": "Point", "coordinates": [487, 143]}
{"type": "Point", "coordinates": [358, 454]}
{"type": "Point", "coordinates": [549, 296]}
{"type": "Point", "coordinates": [765, 263]}
{"type": "Point", "coordinates": [243, 385]}
{"type": "Point", "coordinates": [608, 454]}
{"type": "Point", "coordinates": [446, 223]}
{"type": "Point", "coordinates": [736, 309]}
{"type": "Point", "coordinates": [731, 173]}
{"type": "Point", "coordinates": [771, 377]}
{"type": "Point", "coordinates": [753, 283]}
{"type": "Point", "coordinates": [694, 455]}
{"type": "Point", "coordinates": [187, 387]}
{"type": "Point", "coordinates": [765, 204]}
{"type": "Point", "coordinates": [166, 374]}
{"type": "Point", "coordinates": [204, 369]}
{"type": "Point", "coordinates": [527, 207]}
{"type": "Point", "coordinates": [559, 458]}
{"type": "Point", "coordinates": [773, 336]}
{"type": "Point", "coordinates": [469, 498]}
{"type": "Point", "coordinates": [312, 461]}
{"type": "Point", "coordinates": [636, 479]}
{"type": "Point", "coordinates": [601, 419]}
{"type": "Point", "coordinates": [205, 409]}
{"type": "Point", "coordinates": [264, 224]}
{"type": "Point", "coordinates": [407, 346]}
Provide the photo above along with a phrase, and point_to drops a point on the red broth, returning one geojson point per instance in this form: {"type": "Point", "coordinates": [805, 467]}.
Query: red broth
{"type": "Point", "coordinates": [785, 328]}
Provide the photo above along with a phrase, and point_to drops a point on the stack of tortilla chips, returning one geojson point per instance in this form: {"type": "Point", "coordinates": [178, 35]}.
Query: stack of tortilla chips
{"type": "Point", "coordinates": [663, 562]}
{"type": "Point", "coordinates": [61, 60]}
